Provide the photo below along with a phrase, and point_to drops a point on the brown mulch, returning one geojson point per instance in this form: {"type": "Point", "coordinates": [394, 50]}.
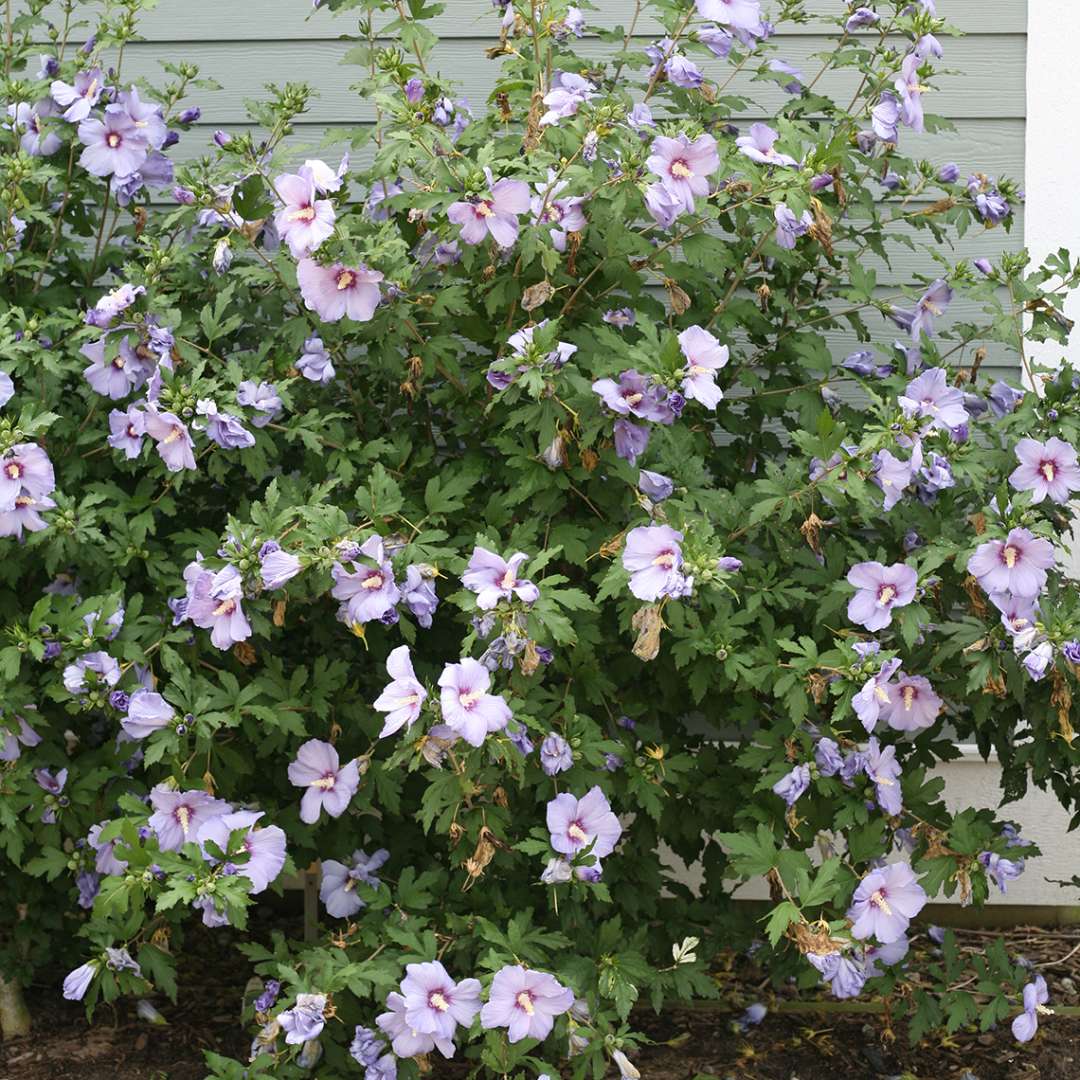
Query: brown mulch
{"type": "Point", "coordinates": [688, 1042]}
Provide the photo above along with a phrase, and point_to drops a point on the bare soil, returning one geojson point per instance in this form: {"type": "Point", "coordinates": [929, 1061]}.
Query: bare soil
{"type": "Point", "coordinates": [687, 1043]}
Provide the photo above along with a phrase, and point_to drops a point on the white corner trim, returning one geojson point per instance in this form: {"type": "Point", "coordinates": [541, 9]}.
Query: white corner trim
{"type": "Point", "coordinates": [1052, 147]}
{"type": "Point", "coordinates": [1051, 166]}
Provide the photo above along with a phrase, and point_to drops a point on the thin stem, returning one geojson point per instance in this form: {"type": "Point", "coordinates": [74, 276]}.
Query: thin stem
{"type": "Point", "coordinates": [736, 281]}
{"type": "Point", "coordinates": [416, 48]}
{"type": "Point", "coordinates": [10, 52]}
{"type": "Point", "coordinates": [828, 63]}
{"type": "Point", "coordinates": [59, 221]}
{"type": "Point", "coordinates": [626, 41]}
{"type": "Point", "coordinates": [734, 71]}
{"type": "Point", "coordinates": [679, 31]}
{"type": "Point", "coordinates": [535, 7]}
{"type": "Point", "coordinates": [101, 232]}
{"type": "Point", "coordinates": [1018, 315]}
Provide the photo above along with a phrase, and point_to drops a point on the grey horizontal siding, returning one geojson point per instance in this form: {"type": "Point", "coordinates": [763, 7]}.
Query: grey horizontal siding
{"type": "Point", "coordinates": [1000, 362]}
{"type": "Point", "coordinates": [992, 86]}
{"type": "Point", "coordinates": [244, 44]}
{"type": "Point", "coordinates": [293, 20]}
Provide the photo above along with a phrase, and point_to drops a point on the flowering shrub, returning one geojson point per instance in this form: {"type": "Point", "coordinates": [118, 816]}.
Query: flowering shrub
{"type": "Point", "coordinates": [486, 520]}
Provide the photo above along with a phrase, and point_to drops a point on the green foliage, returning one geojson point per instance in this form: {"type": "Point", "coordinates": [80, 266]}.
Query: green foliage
{"type": "Point", "coordinates": [462, 414]}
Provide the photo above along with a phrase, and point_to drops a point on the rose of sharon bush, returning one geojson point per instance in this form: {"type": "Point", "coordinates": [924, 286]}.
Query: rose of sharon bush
{"type": "Point", "coordinates": [464, 512]}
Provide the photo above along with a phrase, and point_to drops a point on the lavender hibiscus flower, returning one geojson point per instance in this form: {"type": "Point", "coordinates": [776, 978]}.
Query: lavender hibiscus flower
{"type": "Point", "coordinates": [25, 469]}
{"type": "Point", "coordinates": [264, 847]}
{"type": "Point", "coordinates": [873, 698]}
{"type": "Point", "coordinates": [113, 146]}
{"type": "Point", "coordinates": [147, 116]}
{"type": "Point", "coordinates": [112, 305]}
{"type": "Point", "coordinates": [1027, 1023]}
{"type": "Point", "coordinates": [367, 592]}
{"type": "Point", "coordinates": [716, 39]}
{"type": "Point", "coordinates": [684, 166]}
{"type": "Point", "coordinates": [79, 97]}
{"type": "Point", "coordinates": [880, 589]}
{"type": "Point", "coordinates": [330, 785]}
{"type": "Point", "coordinates": [883, 771]}
{"type": "Point", "coordinates": [1015, 565]}
{"type": "Point", "coordinates": [759, 146]}
{"type": "Point", "coordinates": [555, 755]}
{"type": "Point", "coordinates": [434, 1003]}
{"type": "Point", "coordinates": [743, 14]}
{"type": "Point", "coordinates": [677, 67]}
{"type": "Point", "coordinates": [224, 429]}
{"type": "Point", "coordinates": [790, 228]}
{"type": "Point", "coordinates": [104, 667]}
{"type": "Point", "coordinates": [846, 977]}
{"type": "Point", "coordinates": [1003, 399]}
{"type": "Point", "coordinates": [11, 742]}
{"type": "Point", "coordinates": [893, 475]}
{"type": "Point", "coordinates": [338, 291]}
{"type": "Point", "coordinates": [77, 982]}
{"type": "Point", "coordinates": [406, 1040]}
{"type": "Point", "coordinates": [214, 605]}
{"type": "Point", "coordinates": [418, 593]}
{"type": "Point", "coordinates": [1039, 661]}
{"type": "Point", "coordinates": [171, 436]}
{"type": "Point", "coordinates": [793, 785]}
{"type": "Point", "coordinates": [653, 556]}
{"type": "Point", "coordinates": [277, 567]}
{"type": "Point", "coordinates": [315, 363]}
{"type": "Point", "coordinates": [631, 440]}
{"type": "Point", "coordinates": [493, 578]}
{"type": "Point", "coordinates": [147, 712]}
{"type": "Point", "coordinates": [885, 117]}
{"type": "Point", "coordinates": [620, 317]}
{"type": "Point", "coordinates": [704, 357]}
{"type": "Point", "coordinates": [1018, 616]}
{"type": "Point", "coordinates": [263, 398]}
{"type": "Point", "coordinates": [885, 903]}
{"type": "Point", "coordinates": [127, 430]}
{"type": "Point", "coordinates": [105, 860]}
{"type": "Point", "coordinates": [574, 824]}
{"type": "Point", "coordinates": [1001, 870]}
{"type": "Point", "coordinates": [912, 704]}
{"type": "Point", "coordinates": [564, 215]}
{"type": "Point", "coordinates": [305, 1020]}
{"type": "Point", "coordinates": [861, 17]}
{"type": "Point", "coordinates": [655, 485]}
{"type": "Point", "coordinates": [933, 302]}
{"type": "Point", "coordinates": [567, 94]}
{"type": "Point", "coordinates": [910, 89]}
{"type": "Point", "coordinates": [633, 395]}
{"type": "Point", "coordinates": [304, 221]}
{"type": "Point", "coordinates": [525, 1003]}
{"type": "Point", "coordinates": [179, 815]}
{"type": "Point", "coordinates": [403, 698]}
{"type": "Point", "coordinates": [494, 214]}
{"type": "Point", "coordinates": [326, 178]}
{"type": "Point", "coordinates": [36, 140]}
{"type": "Point", "coordinates": [827, 756]}
{"type": "Point", "coordinates": [369, 1050]}
{"type": "Point", "coordinates": [117, 376]}
{"type": "Point", "coordinates": [339, 880]}
{"type": "Point", "coordinates": [930, 397]}
{"type": "Point", "coordinates": [467, 707]}
{"type": "Point", "coordinates": [663, 205]}
{"type": "Point", "coordinates": [1047, 470]}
